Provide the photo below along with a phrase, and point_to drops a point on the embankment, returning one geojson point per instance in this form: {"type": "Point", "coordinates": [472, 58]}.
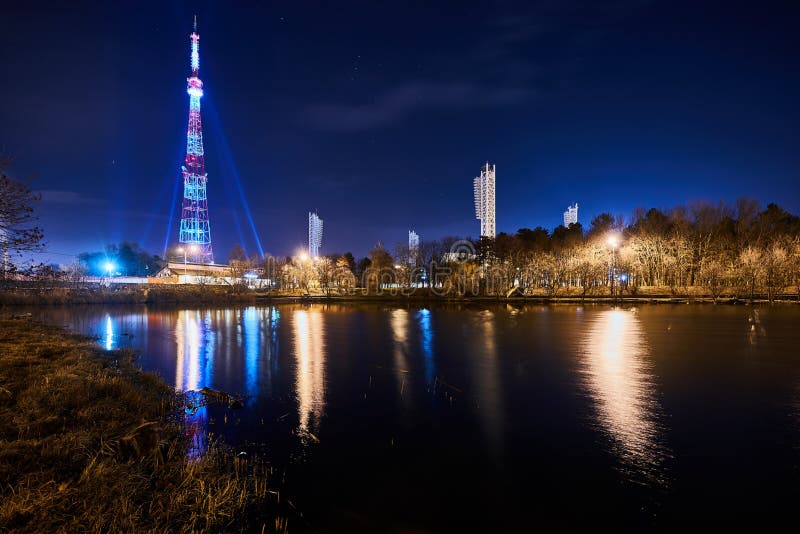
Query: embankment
{"type": "Point", "coordinates": [89, 443]}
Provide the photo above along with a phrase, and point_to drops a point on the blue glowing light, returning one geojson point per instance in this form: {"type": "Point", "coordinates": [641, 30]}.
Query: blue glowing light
{"type": "Point", "coordinates": [109, 267]}
{"type": "Point", "coordinates": [251, 332]}
{"type": "Point", "coordinates": [109, 333]}
{"type": "Point", "coordinates": [623, 277]}
{"type": "Point", "coordinates": [424, 319]}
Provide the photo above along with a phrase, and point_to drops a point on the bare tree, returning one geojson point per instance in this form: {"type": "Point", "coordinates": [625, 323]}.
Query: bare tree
{"type": "Point", "coordinates": [19, 233]}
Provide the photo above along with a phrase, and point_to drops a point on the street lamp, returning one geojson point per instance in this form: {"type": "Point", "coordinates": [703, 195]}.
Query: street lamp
{"type": "Point", "coordinates": [613, 242]}
{"type": "Point", "coordinates": [183, 251]}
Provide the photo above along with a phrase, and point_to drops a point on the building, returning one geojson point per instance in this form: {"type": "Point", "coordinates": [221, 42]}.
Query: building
{"type": "Point", "coordinates": [571, 215]}
{"type": "Point", "coordinates": [195, 229]}
{"type": "Point", "coordinates": [314, 234]}
{"type": "Point", "coordinates": [484, 186]}
{"type": "Point", "coordinates": [413, 247]}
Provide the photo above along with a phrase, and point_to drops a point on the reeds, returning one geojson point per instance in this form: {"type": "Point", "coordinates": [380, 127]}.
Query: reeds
{"type": "Point", "coordinates": [90, 443]}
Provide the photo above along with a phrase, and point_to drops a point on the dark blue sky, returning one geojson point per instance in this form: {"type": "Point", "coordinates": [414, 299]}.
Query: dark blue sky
{"type": "Point", "coordinates": [379, 114]}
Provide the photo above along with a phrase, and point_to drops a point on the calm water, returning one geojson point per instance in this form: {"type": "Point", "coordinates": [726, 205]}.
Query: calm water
{"type": "Point", "coordinates": [460, 418]}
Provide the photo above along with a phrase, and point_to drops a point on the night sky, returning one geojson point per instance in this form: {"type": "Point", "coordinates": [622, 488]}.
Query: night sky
{"type": "Point", "coordinates": [379, 114]}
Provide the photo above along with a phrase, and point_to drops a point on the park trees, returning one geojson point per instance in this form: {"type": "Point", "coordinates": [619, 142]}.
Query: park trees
{"type": "Point", "coordinates": [19, 233]}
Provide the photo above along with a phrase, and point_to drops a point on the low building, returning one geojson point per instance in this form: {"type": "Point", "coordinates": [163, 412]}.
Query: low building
{"type": "Point", "coordinates": [196, 273]}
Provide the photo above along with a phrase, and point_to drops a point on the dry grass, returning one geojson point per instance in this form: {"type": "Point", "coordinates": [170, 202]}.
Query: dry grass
{"type": "Point", "coordinates": [88, 443]}
{"type": "Point", "coordinates": [124, 294]}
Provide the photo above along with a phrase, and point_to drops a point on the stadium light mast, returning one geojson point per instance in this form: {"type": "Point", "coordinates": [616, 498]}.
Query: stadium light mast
{"type": "Point", "coordinates": [195, 230]}
{"type": "Point", "coordinates": [484, 186]}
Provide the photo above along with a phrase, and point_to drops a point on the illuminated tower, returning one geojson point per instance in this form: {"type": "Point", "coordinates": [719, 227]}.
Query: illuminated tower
{"type": "Point", "coordinates": [413, 246]}
{"type": "Point", "coordinates": [195, 231]}
{"type": "Point", "coordinates": [484, 200]}
{"type": "Point", "coordinates": [571, 215]}
{"type": "Point", "coordinates": [314, 234]}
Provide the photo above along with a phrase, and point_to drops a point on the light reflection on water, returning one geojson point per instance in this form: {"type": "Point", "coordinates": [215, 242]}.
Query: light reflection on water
{"type": "Point", "coordinates": [424, 319]}
{"type": "Point", "coordinates": [309, 352]}
{"type": "Point", "coordinates": [481, 338]}
{"type": "Point", "coordinates": [399, 326]}
{"type": "Point", "coordinates": [618, 377]}
{"type": "Point", "coordinates": [516, 417]}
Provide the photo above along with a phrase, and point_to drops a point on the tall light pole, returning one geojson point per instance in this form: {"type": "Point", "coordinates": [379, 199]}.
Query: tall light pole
{"type": "Point", "coordinates": [613, 242]}
{"type": "Point", "coordinates": [181, 249]}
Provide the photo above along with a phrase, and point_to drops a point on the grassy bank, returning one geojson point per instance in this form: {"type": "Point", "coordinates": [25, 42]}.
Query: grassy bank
{"type": "Point", "coordinates": [562, 295]}
{"type": "Point", "coordinates": [89, 443]}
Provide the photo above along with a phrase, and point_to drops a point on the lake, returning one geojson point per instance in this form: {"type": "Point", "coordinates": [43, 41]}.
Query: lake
{"type": "Point", "coordinates": [491, 417]}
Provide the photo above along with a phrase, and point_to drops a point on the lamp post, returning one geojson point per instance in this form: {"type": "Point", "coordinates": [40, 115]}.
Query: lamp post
{"type": "Point", "coordinates": [613, 242]}
{"type": "Point", "coordinates": [181, 249]}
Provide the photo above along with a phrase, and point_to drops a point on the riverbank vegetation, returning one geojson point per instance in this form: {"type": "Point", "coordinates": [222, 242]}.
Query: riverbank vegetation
{"type": "Point", "coordinates": [701, 250]}
{"type": "Point", "coordinates": [90, 443]}
{"type": "Point", "coordinates": [738, 252]}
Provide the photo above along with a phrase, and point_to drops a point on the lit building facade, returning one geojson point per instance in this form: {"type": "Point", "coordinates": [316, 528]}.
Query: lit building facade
{"type": "Point", "coordinates": [314, 235]}
{"type": "Point", "coordinates": [413, 246]}
{"type": "Point", "coordinates": [484, 187]}
{"type": "Point", "coordinates": [571, 215]}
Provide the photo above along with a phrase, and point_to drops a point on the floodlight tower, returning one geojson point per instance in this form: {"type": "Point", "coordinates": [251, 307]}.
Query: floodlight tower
{"type": "Point", "coordinates": [195, 231]}
{"type": "Point", "coordinates": [484, 186]}
{"type": "Point", "coordinates": [314, 234]}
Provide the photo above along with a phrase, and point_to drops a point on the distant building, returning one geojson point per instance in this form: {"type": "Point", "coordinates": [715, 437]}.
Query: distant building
{"type": "Point", "coordinates": [314, 234]}
{"type": "Point", "coordinates": [571, 215]}
{"type": "Point", "coordinates": [484, 187]}
{"type": "Point", "coordinates": [413, 246]}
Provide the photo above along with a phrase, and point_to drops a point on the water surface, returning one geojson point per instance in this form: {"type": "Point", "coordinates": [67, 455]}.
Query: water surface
{"type": "Point", "coordinates": [449, 418]}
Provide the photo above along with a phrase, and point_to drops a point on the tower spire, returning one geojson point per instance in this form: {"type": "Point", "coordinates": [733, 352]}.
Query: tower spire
{"type": "Point", "coordinates": [195, 231]}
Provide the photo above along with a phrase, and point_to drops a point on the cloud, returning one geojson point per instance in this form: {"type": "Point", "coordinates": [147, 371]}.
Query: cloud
{"type": "Point", "coordinates": [402, 100]}
{"type": "Point", "coordinates": [67, 198]}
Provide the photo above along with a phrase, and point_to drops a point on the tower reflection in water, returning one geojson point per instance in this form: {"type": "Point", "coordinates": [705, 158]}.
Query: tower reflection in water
{"type": "Point", "coordinates": [202, 337]}
{"type": "Point", "coordinates": [481, 339]}
{"type": "Point", "coordinates": [193, 336]}
{"type": "Point", "coordinates": [309, 351]}
{"type": "Point", "coordinates": [619, 380]}
{"type": "Point", "coordinates": [399, 322]}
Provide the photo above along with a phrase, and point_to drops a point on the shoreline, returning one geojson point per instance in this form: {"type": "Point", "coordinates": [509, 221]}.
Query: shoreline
{"type": "Point", "coordinates": [90, 442]}
{"type": "Point", "coordinates": [215, 295]}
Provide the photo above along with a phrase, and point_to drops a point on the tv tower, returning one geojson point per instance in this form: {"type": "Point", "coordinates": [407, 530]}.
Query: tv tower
{"type": "Point", "coordinates": [195, 232]}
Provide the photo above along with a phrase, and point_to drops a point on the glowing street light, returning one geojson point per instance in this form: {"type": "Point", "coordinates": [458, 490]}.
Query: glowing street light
{"type": "Point", "coordinates": [109, 266]}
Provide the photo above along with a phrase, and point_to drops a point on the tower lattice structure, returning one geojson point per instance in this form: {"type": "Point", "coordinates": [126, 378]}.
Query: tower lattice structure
{"type": "Point", "coordinates": [484, 186]}
{"type": "Point", "coordinates": [195, 231]}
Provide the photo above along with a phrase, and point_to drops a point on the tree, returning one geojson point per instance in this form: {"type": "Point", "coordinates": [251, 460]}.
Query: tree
{"type": "Point", "coordinates": [125, 258]}
{"type": "Point", "coordinates": [601, 225]}
{"type": "Point", "coordinates": [19, 233]}
{"type": "Point", "coordinates": [237, 253]}
{"type": "Point", "coordinates": [381, 269]}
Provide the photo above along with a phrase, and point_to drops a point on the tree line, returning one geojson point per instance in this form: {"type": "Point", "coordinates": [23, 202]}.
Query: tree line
{"type": "Point", "coordinates": [717, 249]}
